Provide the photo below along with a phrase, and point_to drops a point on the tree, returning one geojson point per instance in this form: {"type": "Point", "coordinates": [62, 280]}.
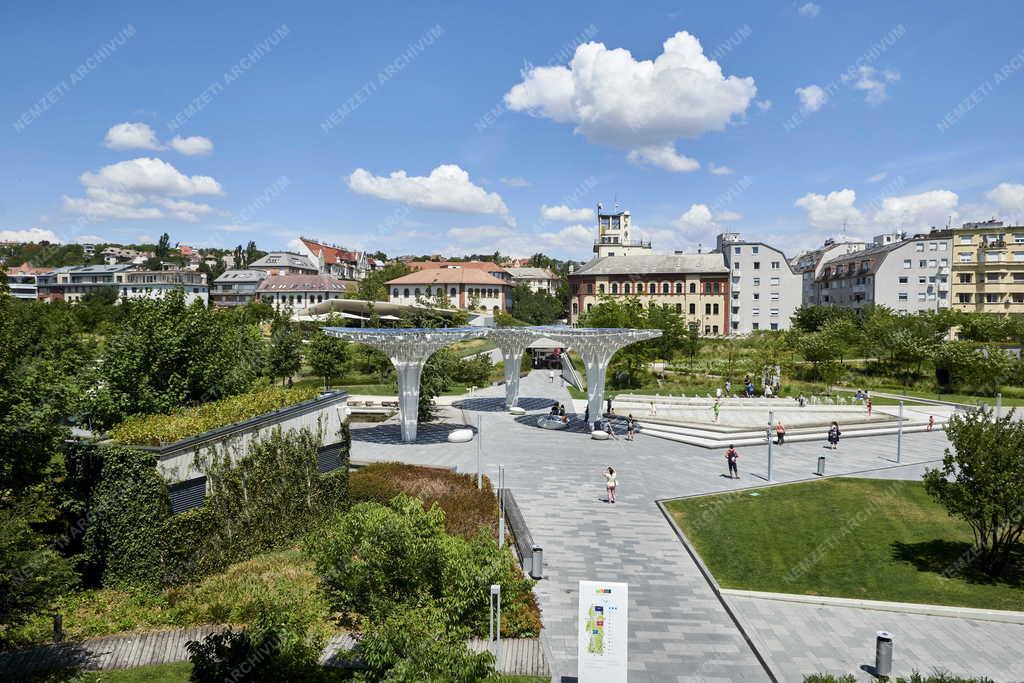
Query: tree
{"type": "Point", "coordinates": [982, 482]}
{"type": "Point", "coordinates": [535, 308]}
{"type": "Point", "coordinates": [438, 373]}
{"type": "Point", "coordinates": [327, 356]}
{"type": "Point", "coordinates": [32, 575]}
{"type": "Point", "coordinates": [163, 247]}
{"type": "Point", "coordinates": [283, 359]}
{"type": "Point", "coordinates": [373, 287]}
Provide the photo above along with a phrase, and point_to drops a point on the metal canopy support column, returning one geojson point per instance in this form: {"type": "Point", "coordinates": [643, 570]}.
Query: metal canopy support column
{"type": "Point", "coordinates": [408, 349]}
{"type": "Point", "coordinates": [512, 342]}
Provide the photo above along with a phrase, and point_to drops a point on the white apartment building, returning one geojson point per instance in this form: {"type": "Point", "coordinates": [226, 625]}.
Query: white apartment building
{"type": "Point", "coordinates": [613, 236]}
{"type": "Point", "coordinates": [155, 284]}
{"type": "Point", "coordinates": [908, 275]}
{"type": "Point", "coordinates": [764, 289]}
{"type": "Point", "coordinates": [810, 263]}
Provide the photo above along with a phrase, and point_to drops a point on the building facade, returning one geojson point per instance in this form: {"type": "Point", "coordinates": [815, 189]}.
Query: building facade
{"type": "Point", "coordinates": [695, 285]}
{"type": "Point", "coordinates": [763, 287]}
{"type": "Point", "coordinates": [489, 267]}
{"type": "Point", "coordinates": [333, 260]}
{"type": "Point", "coordinates": [236, 287]}
{"type": "Point", "coordinates": [988, 268]}
{"type": "Point", "coordinates": [155, 284]}
{"type": "Point", "coordinates": [908, 275]}
{"type": "Point", "coordinates": [468, 289]}
{"type": "Point", "coordinates": [537, 279]}
{"type": "Point", "coordinates": [809, 264]}
{"type": "Point", "coordinates": [299, 292]}
{"type": "Point", "coordinates": [614, 236]}
{"type": "Point", "coordinates": [22, 281]}
{"type": "Point", "coordinates": [71, 283]}
{"type": "Point", "coordinates": [285, 263]}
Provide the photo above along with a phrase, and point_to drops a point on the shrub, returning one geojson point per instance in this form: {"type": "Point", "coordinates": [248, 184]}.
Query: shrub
{"type": "Point", "coordinates": [418, 643]}
{"type": "Point", "coordinates": [158, 429]}
{"type": "Point", "coordinates": [129, 509]}
{"type": "Point", "coordinates": [376, 559]}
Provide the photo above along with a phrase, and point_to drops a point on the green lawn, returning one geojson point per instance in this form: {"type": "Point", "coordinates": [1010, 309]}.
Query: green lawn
{"type": "Point", "coordinates": [849, 538]}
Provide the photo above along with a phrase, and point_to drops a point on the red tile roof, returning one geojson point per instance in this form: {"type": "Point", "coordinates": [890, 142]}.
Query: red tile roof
{"type": "Point", "coordinates": [331, 254]}
{"type": "Point", "coordinates": [445, 276]}
{"type": "Point", "coordinates": [486, 266]}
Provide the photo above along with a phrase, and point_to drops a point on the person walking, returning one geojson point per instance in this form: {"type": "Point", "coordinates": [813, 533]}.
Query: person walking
{"type": "Point", "coordinates": [931, 423]}
{"type": "Point", "coordinates": [731, 456]}
{"type": "Point", "coordinates": [717, 408]}
{"type": "Point", "coordinates": [833, 435]}
{"type": "Point", "coordinates": [551, 376]}
{"type": "Point", "coordinates": [868, 404]}
{"type": "Point", "coordinates": [610, 482]}
{"type": "Point", "coordinates": [780, 432]}
{"type": "Point", "coordinates": [728, 387]}
{"type": "Point", "coordinates": [630, 428]}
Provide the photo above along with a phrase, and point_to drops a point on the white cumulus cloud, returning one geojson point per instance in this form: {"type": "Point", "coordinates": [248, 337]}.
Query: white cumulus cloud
{"type": "Point", "coordinates": [697, 218]}
{"type": "Point", "coordinates": [447, 188]}
{"type": "Point", "coordinates": [1007, 195]}
{"type": "Point", "coordinates": [874, 83]}
{"type": "Point", "coordinates": [830, 211]}
{"type": "Point", "coordinates": [720, 170]}
{"type": "Point", "coordinates": [191, 146]}
{"type": "Point", "coordinates": [612, 98]}
{"type": "Point", "coordinates": [515, 181]}
{"type": "Point", "coordinates": [809, 9]}
{"type": "Point", "coordinates": [812, 97]}
{"type": "Point", "coordinates": [29, 235]}
{"type": "Point", "coordinates": [132, 136]}
{"type": "Point", "coordinates": [664, 157]}
{"type": "Point", "coordinates": [565, 213]}
{"type": "Point", "coordinates": [915, 212]}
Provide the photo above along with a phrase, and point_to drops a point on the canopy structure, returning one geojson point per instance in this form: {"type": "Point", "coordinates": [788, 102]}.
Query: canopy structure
{"type": "Point", "coordinates": [512, 341]}
{"type": "Point", "coordinates": [408, 349]}
{"type": "Point", "coordinates": [596, 346]}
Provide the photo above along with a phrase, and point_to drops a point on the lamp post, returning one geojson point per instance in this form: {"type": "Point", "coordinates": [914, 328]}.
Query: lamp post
{"type": "Point", "coordinates": [494, 634]}
{"type": "Point", "coordinates": [771, 423]}
{"type": "Point", "coordinates": [899, 435]}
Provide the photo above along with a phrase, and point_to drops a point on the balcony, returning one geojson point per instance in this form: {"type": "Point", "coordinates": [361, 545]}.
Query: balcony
{"type": "Point", "coordinates": [614, 241]}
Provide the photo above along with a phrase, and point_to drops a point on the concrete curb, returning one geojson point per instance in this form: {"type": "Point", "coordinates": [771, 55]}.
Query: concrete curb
{"type": "Point", "coordinates": [1005, 616]}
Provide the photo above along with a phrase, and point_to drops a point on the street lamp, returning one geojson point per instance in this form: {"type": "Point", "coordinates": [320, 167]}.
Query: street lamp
{"type": "Point", "coordinates": [494, 634]}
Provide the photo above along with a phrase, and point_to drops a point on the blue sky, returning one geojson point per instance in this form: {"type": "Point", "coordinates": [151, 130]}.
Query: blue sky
{"type": "Point", "coordinates": [443, 127]}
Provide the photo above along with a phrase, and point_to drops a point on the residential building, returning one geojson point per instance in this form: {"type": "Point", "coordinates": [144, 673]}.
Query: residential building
{"type": "Point", "coordinates": [22, 281]}
{"type": "Point", "coordinates": [908, 275]}
{"type": "Point", "coordinates": [331, 259]}
{"type": "Point", "coordinates": [988, 268]}
{"type": "Point", "coordinates": [463, 288]}
{"type": "Point", "coordinates": [88, 249]}
{"type": "Point", "coordinates": [155, 284]}
{"type": "Point", "coordinates": [71, 283]}
{"type": "Point", "coordinates": [696, 285]}
{"type": "Point", "coordinates": [299, 292]}
{"type": "Point", "coordinates": [285, 263]}
{"type": "Point", "coordinates": [124, 253]}
{"type": "Point", "coordinates": [492, 269]}
{"type": "Point", "coordinates": [764, 288]}
{"type": "Point", "coordinates": [613, 236]}
{"type": "Point", "coordinates": [236, 287]}
{"type": "Point", "coordinates": [537, 279]}
{"type": "Point", "coordinates": [808, 265]}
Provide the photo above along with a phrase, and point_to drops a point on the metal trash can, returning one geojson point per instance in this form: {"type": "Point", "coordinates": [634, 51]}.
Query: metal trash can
{"type": "Point", "coordinates": [883, 653]}
{"type": "Point", "coordinates": [537, 566]}
{"type": "Point", "coordinates": [821, 466]}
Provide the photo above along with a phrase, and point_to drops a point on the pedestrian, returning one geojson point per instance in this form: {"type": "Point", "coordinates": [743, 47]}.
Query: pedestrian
{"type": "Point", "coordinates": [609, 430]}
{"type": "Point", "coordinates": [609, 401]}
{"type": "Point", "coordinates": [717, 407]}
{"type": "Point", "coordinates": [931, 423]}
{"type": "Point", "coordinates": [610, 482]}
{"type": "Point", "coordinates": [801, 400]}
{"type": "Point", "coordinates": [551, 376]}
{"type": "Point", "coordinates": [728, 387]}
{"type": "Point", "coordinates": [869, 406]}
{"type": "Point", "coordinates": [654, 409]}
{"type": "Point", "coordinates": [630, 428]}
{"type": "Point", "coordinates": [718, 392]}
{"type": "Point", "coordinates": [586, 414]}
{"type": "Point", "coordinates": [731, 456]}
{"type": "Point", "coordinates": [767, 390]}
{"type": "Point", "coordinates": [780, 431]}
{"type": "Point", "coordinates": [833, 435]}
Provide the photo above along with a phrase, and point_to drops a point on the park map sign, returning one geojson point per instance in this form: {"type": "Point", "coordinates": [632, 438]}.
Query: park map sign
{"type": "Point", "coordinates": [603, 632]}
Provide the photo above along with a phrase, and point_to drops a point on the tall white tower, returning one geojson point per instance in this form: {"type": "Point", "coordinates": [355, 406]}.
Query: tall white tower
{"type": "Point", "coordinates": [613, 231]}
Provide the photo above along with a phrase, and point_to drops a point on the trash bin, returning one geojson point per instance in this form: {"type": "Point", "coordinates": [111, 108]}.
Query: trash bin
{"type": "Point", "coordinates": [883, 653]}
{"type": "Point", "coordinates": [821, 465]}
{"type": "Point", "coordinates": [537, 566]}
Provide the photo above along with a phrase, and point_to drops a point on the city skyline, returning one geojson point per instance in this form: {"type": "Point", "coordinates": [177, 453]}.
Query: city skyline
{"type": "Point", "coordinates": [435, 130]}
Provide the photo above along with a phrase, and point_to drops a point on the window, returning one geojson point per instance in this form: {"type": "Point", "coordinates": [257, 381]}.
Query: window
{"type": "Point", "coordinates": [965, 240]}
{"type": "Point", "coordinates": [714, 309]}
{"type": "Point", "coordinates": [774, 296]}
{"type": "Point", "coordinates": [693, 309]}
{"type": "Point", "coordinates": [757, 296]}
{"type": "Point", "coordinates": [992, 257]}
{"type": "Point", "coordinates": [600, 288]}
{"type": "Point", "coordinates": [923, 263]}
{"type": "Point", "coordinates": [1018, 238]}
{"type": "Point", "coordinates": [919, 246]}
{"type": "Point", "coordinates": [993, 298]}
{"type": "Point", "coordinates": [735, 325]}
{"type": "Point", "coordinates": [1018, 278]}
{"type": "Point", "coordinates": [755, 249]}
{"type": "Point", "coordinates": [737, 250]}
{"type": "Point", "coordinates": [735, 265]}
{"type": "Point", "coordinates": [932, 246]}
{"type": "Point", "coordinates": [965, 257]}
{"type": "Point", "coordinates": [755, 326]}
{"type": "Point", "coordinates": [679, 308]}
{"type": "Point", "coordinates": [932, 263]}
{"type": "Point", "coordinates": [775, 265]}
{"type": "Point", "coordinates": [679, 288]}
{"type": "Point", "coordinates": [693, 288]}
{"type": "Point", "coordinates": [615, 288]}
{"type": "Point", "coordinates": [963, 298]}
{"type": "Point", "coordinates": [993, 277]}
{"type": "Point", "coordinates": [943, 262]}
{"type": "Point", "coordinates": [639, 288]}
{"type": "Point", "coordinates": [757, 265]}
{"type": "Point", "coordinates": [921, 279]}
{"type": "Point", "coordinates": [735, 279]}
{"type": "Point", "coordinates": [774, 282]}
{"type": "Point", "coordinates": [773, 311]}
{"type": "Point", "coordinates": [903, 279]}
{"type": "Point", "coordinates": [453, 291]}
{"type": "Point", "coordinates": [590, 288]}
{"type": "Point", "coordinates": [775, 326]}
{"type": "Point", "coordinates": [664, 288]}
{"type": "Point", "coordinates": [707, 309]}
{"type": "Point", "coordinates": [943, 246]}
{"type": "Point", "coordinates": [1018, 298]}
{"type": "Point", "coordinates": [757, 281]}
{"type": "Point", "coordinates": [755, 311]}
{"type": "Point", "coordinates": [906, 263]}
{"type": "Point", "coordinates": [920, 296]}
{"type": "Point", "coordinates": [625, 288]}
{"type": "Point", "coordinates": [1018, 256]}
{"type": "Point", "coordinates": [902, 296]}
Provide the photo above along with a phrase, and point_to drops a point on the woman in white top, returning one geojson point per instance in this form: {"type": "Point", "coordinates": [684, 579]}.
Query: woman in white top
{"type": "Point", "coordinates": [610, 483]}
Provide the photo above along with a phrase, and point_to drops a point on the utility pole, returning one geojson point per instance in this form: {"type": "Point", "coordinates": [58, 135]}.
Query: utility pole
{"type": "Point", "coordinates": [899, 435]}
{"type": "Point", "coordinates": [771, 423]}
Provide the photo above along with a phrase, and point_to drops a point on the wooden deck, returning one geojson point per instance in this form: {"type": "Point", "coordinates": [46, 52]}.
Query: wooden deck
{"type": "Point", "coordinates": [523, 656]}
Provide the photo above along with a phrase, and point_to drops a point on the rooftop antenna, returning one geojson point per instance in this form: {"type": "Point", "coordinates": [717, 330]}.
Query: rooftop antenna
{"type": "Point", "coordinates": [616, 199]}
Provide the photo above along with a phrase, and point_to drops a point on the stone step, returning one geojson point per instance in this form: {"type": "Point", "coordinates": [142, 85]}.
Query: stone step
{"type": "Point", "coordinates": [719, 440]}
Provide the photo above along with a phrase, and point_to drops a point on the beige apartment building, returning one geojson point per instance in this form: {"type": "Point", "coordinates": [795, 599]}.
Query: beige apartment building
{"type": "Point", "coordinates": [988, 268]}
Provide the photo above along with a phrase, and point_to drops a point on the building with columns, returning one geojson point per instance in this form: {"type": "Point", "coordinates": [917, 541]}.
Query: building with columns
{"type": "Point", "coordinates": [469, 289]}
{"type": "Point", "coordinates": [695, 285]}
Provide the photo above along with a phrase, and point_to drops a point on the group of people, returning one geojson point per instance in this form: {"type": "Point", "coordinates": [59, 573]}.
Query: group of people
{"type": "Point", "coordinates": [558, 410]}
{"type": "Point", "coordinates": [749, 390]}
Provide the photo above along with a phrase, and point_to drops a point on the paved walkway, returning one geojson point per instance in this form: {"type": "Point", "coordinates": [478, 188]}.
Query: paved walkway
{"type": "Point", "coordinates": [679, 631]}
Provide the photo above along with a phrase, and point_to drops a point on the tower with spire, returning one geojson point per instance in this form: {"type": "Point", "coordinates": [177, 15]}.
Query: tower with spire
{"type": "Point", "coordinates": [613, 235]}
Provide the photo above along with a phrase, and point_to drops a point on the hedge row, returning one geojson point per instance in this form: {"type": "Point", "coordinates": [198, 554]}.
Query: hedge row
{"type": "Point", "coordinates": [159, 429]}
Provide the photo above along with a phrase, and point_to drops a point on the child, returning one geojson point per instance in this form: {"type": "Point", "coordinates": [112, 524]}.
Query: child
{"type": "Point", "coordinates": [610, 482]}
{"type": "Point", "coordinates": [931, 423]}
{"type": "Point", "coordinates": [630, 427]}
{"type": "Point", "coordinates": [731, 456]}
{"type": "Point", "coordinates": [833, 435]}
{"type": "Point", "coordinates": [717, 408]}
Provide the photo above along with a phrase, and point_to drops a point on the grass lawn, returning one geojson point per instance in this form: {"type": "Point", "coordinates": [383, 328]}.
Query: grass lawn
{"type": "Point", "coordinates": [850, 538]}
